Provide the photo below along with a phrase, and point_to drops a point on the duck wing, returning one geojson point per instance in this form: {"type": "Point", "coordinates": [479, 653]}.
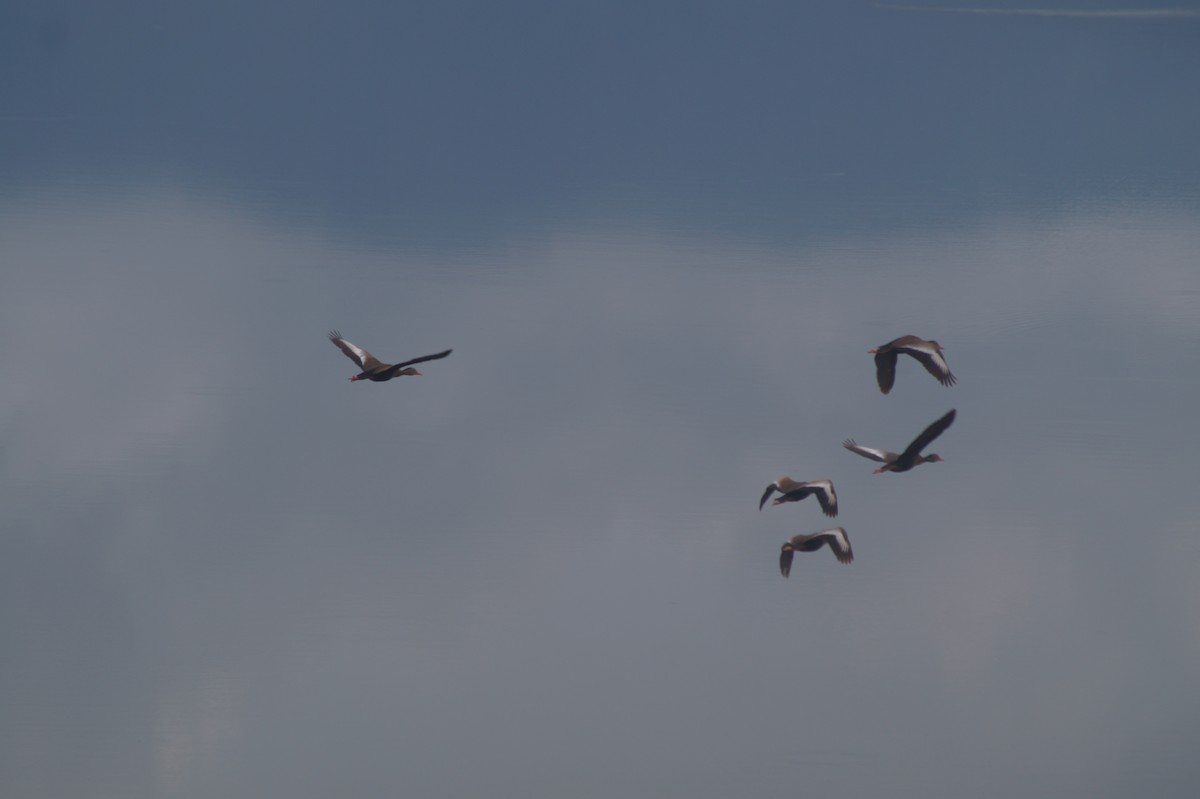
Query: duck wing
{"type": "Point", "coordinates": [766, 495]}
{"type": "Point", "coordinates": [839, 542]}
{"type": "Point", "coordinates": [392, 370]}
{"type": "Point", "coordinates": [786, 553]}
{"type": "Point", "coordinates": [365, 360]}
{"type": "Point", "coordinates": [885, 368]}
{"type": "Point", "coordinates": [931, 358]}
{"type": "Point", "coordinates": [881, 455]}
{"type": "Point", "coordinates": [928, 435]}
{"type": "Point", "coordinates": [825, 495]}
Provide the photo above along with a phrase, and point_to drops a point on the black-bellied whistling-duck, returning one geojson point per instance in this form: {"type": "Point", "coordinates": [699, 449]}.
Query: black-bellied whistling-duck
{"type": "Point", "coordinates": [835, 537]}
{"type": "Point", "coordinates": [910, 457]}
{"type": "Point", "coordinates": [373, 368]}
{"type": "Point", "coordinates": [929, 353]}
{"type": "Point", "coordinates": [794, 491]}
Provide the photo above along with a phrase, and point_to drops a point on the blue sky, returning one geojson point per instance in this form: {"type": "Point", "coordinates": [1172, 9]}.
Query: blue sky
{"type": "Point", "coordinates": [733, 114]}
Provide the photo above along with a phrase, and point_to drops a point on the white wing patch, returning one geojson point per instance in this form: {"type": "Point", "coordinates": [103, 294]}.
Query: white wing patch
{"type": "Point", "coordinates": [828, 497]}
{"type": "Point", "coordinates": [358, 351]}
{"type": "Point", "coordinates": [840, 540]}
{"type": "Point", "coordinates": [827, 487]}
{"type": "Point", "coordinates": [940, 363]}
{"type": "Point", "coordinates": [931, 352]}
{"type": "Point", "coordinates": [881, 455]}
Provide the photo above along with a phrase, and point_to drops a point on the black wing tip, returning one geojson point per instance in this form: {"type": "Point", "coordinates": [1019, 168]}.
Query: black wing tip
{"type": "Point", "coordinates": [849, 443]}
{"type": "Point", "coordinates": [942, 422]}
{"type": "Point", "coordinates": [786, 553]}
{"type": "Point", "coordinates": [828, 501]}
{"type": "Point", "coordinates": [848, 555]}
{"type": "Point", "coordinates": [334, 335]}
{"type": "Point", "coordinates": [437, 356]}
{"type": "Point", "coordinates": [766, 495]}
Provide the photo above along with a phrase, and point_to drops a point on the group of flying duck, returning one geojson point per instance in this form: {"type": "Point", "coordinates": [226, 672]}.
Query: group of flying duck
{"type": "Point", "coordinates": [929, 354]}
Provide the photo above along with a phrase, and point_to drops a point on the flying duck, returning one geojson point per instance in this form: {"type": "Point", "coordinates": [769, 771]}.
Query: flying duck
{"type": "Point", "coordinates": [793, 491]}
{"type": "Point", "coordinates": [372, 368]}
{"type": "Point", "coordinates": [929, 353]}
{"type": "Point", "coordinates": [912, 455]}
{"type": "Point", "coordinates": [835, 537]}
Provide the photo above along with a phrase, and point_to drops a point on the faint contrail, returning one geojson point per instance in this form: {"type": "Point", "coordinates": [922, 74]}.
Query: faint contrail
{"type": "Point", "coordinates": [1129, 13]}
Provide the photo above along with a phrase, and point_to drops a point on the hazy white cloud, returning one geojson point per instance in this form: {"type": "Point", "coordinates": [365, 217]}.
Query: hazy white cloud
{"type": "Point", "coordinates": [562, 514]}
